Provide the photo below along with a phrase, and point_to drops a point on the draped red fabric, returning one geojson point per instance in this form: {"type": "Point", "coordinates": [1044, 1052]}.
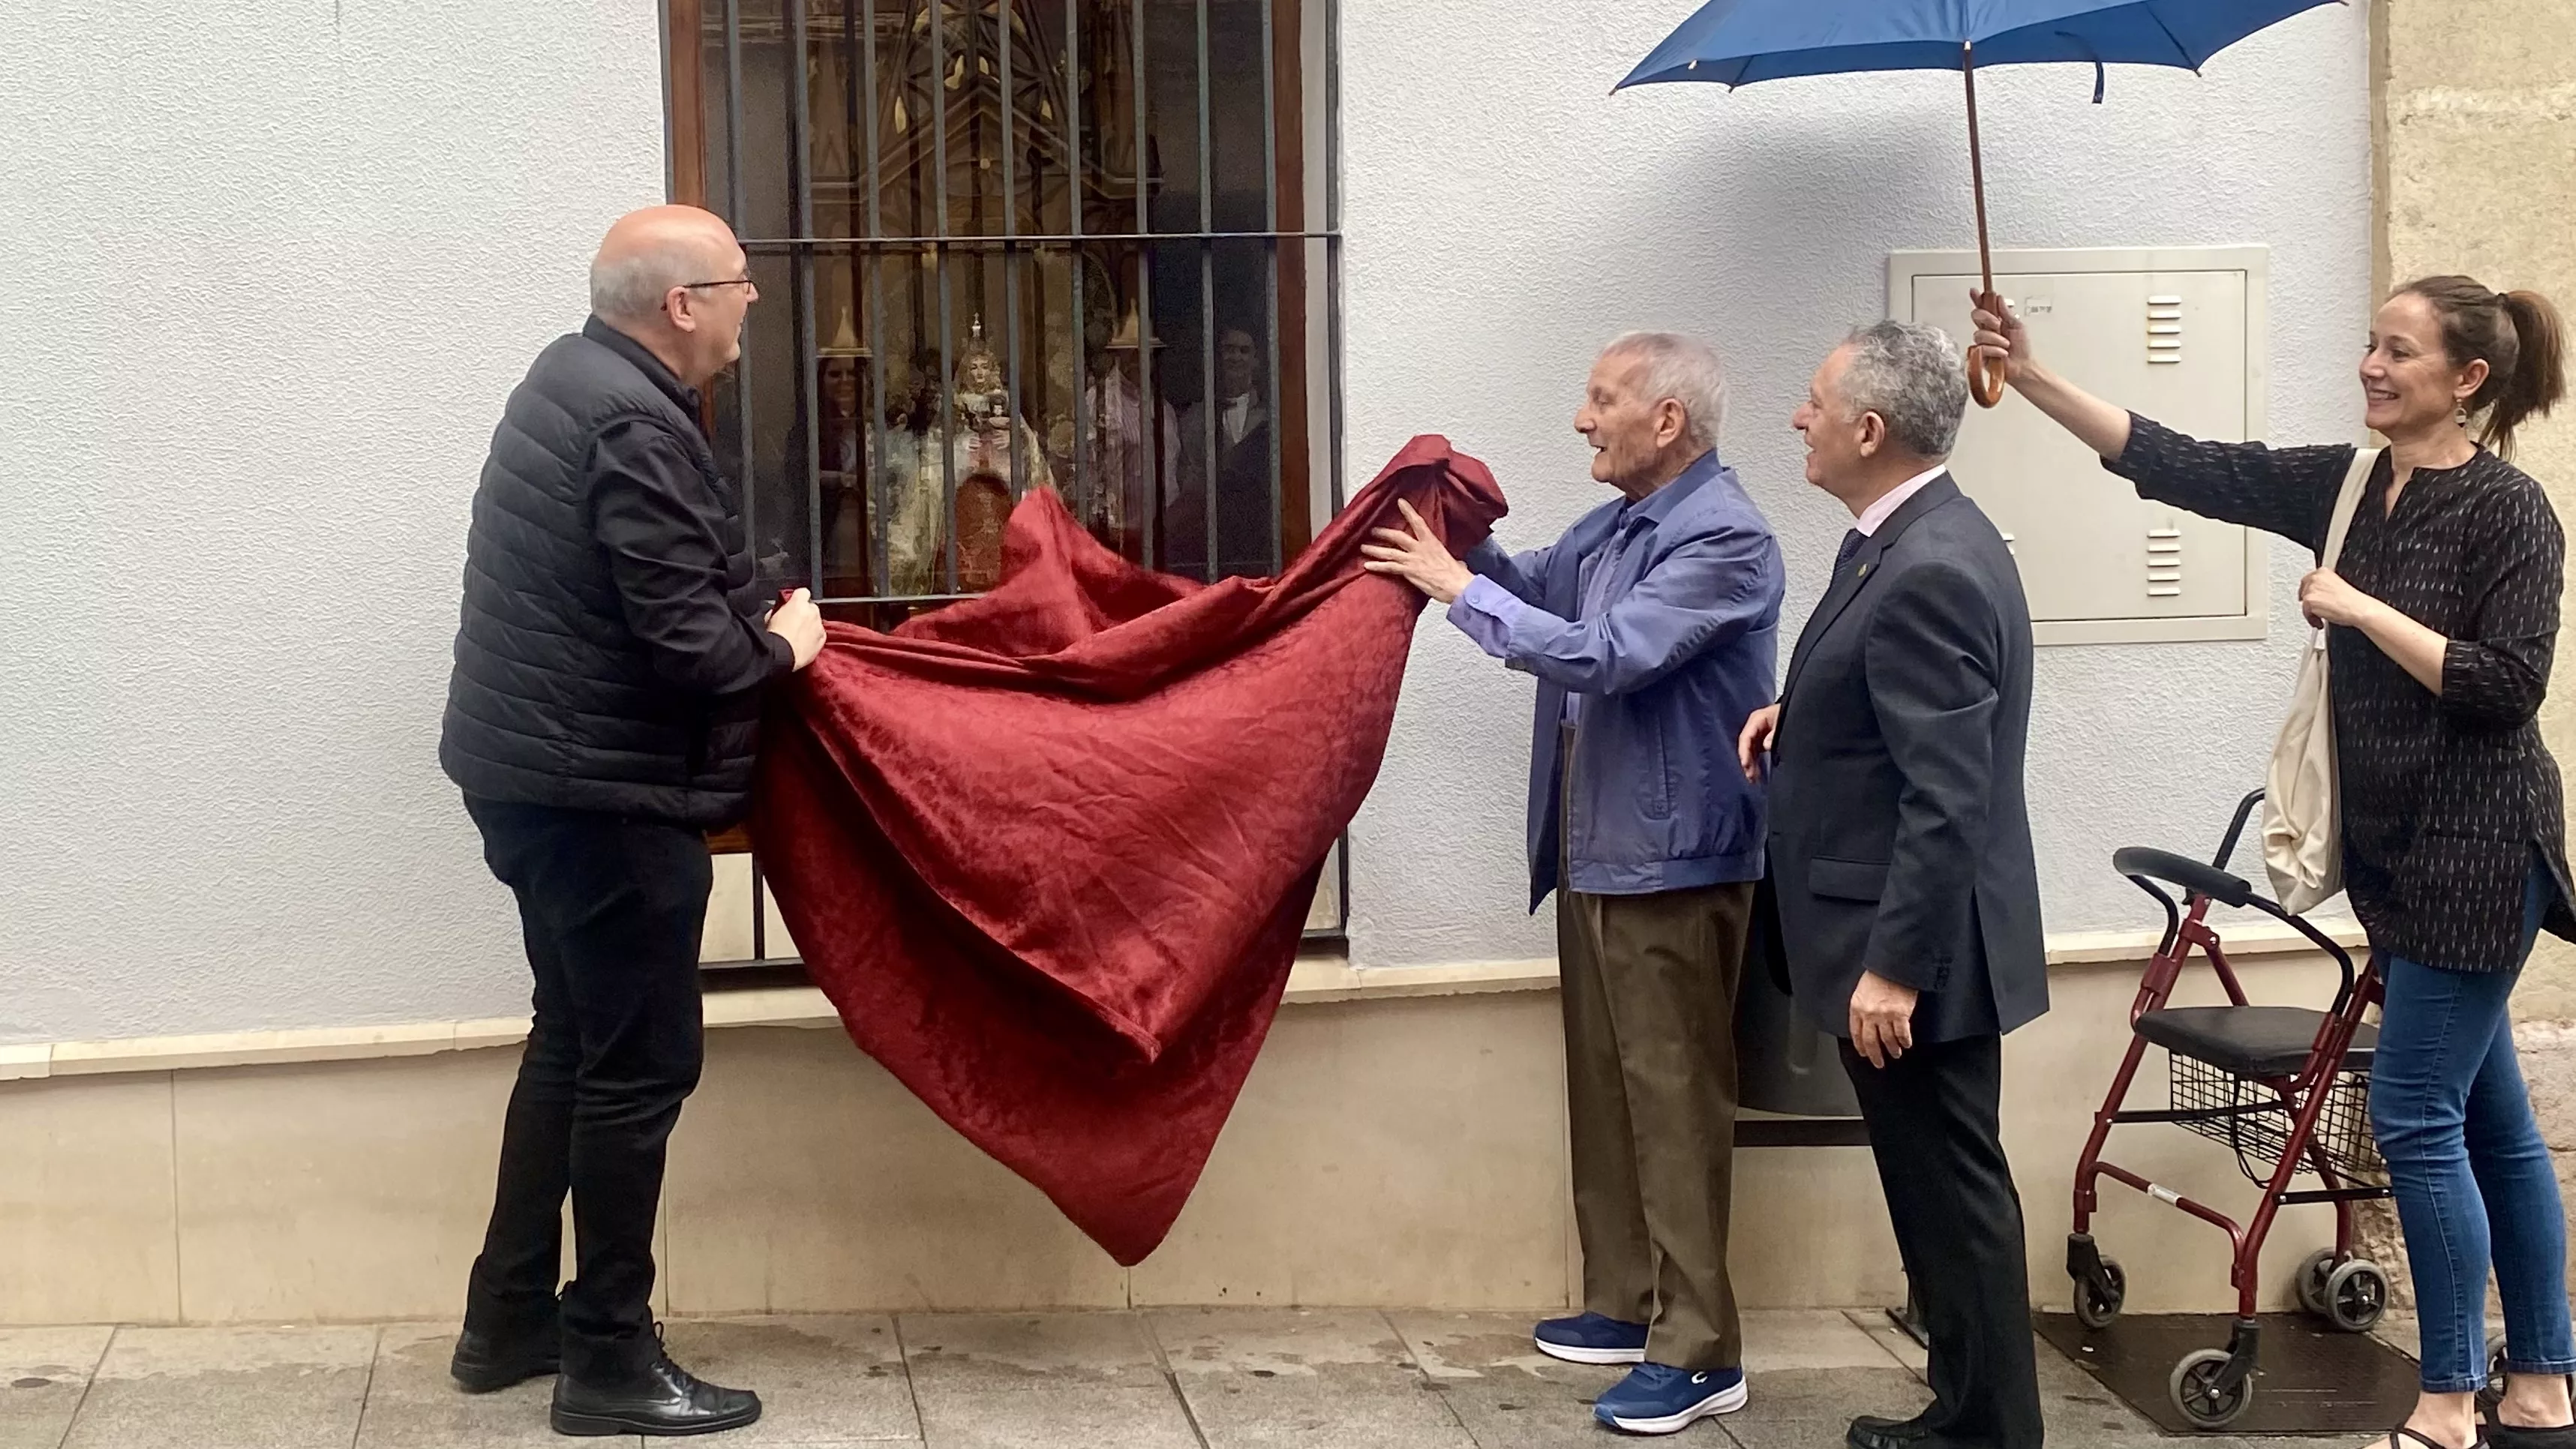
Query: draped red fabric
{"type": "Point", "coordinates": [1050, 851]}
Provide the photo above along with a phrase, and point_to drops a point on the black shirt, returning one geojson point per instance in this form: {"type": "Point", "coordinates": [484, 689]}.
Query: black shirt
{"type": "Point", "coordinates": [669, 538]}
{"type": "Point", "coordinates": [2445, 797]}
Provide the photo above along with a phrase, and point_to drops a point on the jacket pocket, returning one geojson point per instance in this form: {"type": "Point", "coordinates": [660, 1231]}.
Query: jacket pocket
{"type": "Point", "coordinates": [1659, 800]}
{"type": "Point", "coordinates": [1846, 880]}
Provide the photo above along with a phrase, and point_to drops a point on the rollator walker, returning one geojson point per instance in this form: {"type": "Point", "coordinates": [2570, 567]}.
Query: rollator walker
{"type": "Point", "coordinates": [2287, 1088]}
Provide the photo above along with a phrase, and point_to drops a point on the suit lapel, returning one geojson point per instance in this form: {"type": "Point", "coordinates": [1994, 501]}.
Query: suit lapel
{"type": "Point", "coordinates": [1838, 596]}
{"type": "Point", "coordinates": [1848, 585]}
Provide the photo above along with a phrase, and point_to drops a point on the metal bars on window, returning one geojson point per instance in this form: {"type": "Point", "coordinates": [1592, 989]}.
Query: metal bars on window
{"type": "Point", "coordinates": [995, 276]}
{"type": "Point", "coordinates": [988, 259]}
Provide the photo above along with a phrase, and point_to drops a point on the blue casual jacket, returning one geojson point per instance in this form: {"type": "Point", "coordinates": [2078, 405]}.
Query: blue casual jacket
{"type": "Point", "coordinates": [1682, 653]}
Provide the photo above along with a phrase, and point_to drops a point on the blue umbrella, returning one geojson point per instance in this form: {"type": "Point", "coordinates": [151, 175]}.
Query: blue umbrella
{"type": "Point", "coordinates": [1738, 42]}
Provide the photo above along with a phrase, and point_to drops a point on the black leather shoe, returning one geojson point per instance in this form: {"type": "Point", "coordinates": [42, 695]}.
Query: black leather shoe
{"type": "Point", "coordinates": [1871, 1432]}
{"type": "Point", "coordinates": [484, 1362]}
{"type": "Point", "coordinates": [665, 1399]}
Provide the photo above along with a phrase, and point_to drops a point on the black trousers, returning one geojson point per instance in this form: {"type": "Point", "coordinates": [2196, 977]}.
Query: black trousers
{"type": "Point", "coordinates": [613, 910]}
{"type": "Point", "coordinates": [1932, 1117]}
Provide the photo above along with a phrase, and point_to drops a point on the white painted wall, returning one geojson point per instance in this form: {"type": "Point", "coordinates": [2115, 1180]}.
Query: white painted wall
{"type": "Point", "coordinates": [272, 269]}
{"type": "Point", "coordinates": [288, 258]}
{"type": "Point", "coordinates": [1505, 215]}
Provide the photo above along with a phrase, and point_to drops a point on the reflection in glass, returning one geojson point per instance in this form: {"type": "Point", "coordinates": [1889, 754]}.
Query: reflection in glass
{"type": "Point", "coordinates": [1119, 503]}
{"type": "Point", "coordinates": [998, 235]}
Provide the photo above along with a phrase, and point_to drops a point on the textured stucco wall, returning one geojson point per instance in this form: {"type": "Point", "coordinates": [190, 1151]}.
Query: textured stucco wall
{"type": "Point", "coordinates": [273, 268]}
{"type": "Point", "coordinates": [2477, 128]}
{"type": "Point", "coordinates": [1505, 215]}
{"type": "Point", "coordinates": [289, 258]}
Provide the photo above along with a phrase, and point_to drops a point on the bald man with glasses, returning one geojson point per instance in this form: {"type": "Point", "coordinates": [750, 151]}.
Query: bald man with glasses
{"type": "Point", "coordinates": [602, 717]}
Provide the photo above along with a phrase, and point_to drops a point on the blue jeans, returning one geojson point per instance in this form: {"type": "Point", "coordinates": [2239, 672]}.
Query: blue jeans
{"type": "Point", "coordinates": [2473, 1178]}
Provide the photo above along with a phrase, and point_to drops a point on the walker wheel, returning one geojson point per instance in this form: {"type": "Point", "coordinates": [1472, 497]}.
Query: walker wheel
{"type": "Point", "coordinates": [2200, 1389]}
{"type": "Point", "coordinates": [2310, 1284]}
{"type": "Point", "coordinates": [2356, 1296]}
{"type": "Point", "coordinates": [2097, 1303]}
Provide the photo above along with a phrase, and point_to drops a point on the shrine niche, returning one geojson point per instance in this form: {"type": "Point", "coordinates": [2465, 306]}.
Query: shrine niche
{"type": "Point", "coordinates": [995, 240]}
{"type": "Point", "coordinates": [971, 128]}
{"type": "Point", "coordinates": [1004, 245]}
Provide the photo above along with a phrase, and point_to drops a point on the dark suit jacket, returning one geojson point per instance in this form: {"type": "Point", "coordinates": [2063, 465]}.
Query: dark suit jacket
{"type": "Point", "coordinates": [1245, 522]}
{"type": "Point", "coordinates": [1900, 839]}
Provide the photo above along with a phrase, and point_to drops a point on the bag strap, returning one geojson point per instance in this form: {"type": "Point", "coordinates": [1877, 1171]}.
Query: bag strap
{"type": "Point", "coordinates": [2347, 503]}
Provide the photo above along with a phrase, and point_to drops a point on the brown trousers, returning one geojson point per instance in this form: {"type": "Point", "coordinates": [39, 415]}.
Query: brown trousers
{"type": "Point", "coordinates": [1648, 986]}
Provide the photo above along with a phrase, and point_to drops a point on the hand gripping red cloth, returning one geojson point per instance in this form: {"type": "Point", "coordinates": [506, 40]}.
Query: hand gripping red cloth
{"type": "Point", "coordinates": [1050, 851]}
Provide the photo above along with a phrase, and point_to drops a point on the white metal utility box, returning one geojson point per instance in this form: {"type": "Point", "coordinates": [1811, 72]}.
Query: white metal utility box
{"type": "Point", "coordinates": [2175, 333]}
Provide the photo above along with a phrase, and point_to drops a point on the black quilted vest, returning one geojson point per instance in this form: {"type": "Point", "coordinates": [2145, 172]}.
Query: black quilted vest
{"type": "Point", "coordinates": [553, 700]}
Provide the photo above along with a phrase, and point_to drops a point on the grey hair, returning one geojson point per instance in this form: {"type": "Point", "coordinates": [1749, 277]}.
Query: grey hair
{"type": "Point", "coordinates": [1910, 374]}
{"type": "Point", "coordinates": [631, 288]}
{"type": "Point", "coordinates": [1683, 369]}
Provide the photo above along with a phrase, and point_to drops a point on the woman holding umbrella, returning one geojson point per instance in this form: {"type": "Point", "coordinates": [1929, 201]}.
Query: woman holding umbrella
{"type": "Point", "coordinates": [2441, 617]}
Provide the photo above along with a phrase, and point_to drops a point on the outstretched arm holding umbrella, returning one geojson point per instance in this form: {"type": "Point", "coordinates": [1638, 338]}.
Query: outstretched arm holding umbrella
{"type": "Point", "coordinates": [2441, 616]}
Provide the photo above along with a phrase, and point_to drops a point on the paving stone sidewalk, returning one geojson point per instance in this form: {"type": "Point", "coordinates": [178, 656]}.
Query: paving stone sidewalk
{"type": "Point", "coordinates": [1185, 1378]}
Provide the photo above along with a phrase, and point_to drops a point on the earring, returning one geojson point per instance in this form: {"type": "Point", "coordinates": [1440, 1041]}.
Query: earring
{"type": "Point", "coordinates": [2460, 415]}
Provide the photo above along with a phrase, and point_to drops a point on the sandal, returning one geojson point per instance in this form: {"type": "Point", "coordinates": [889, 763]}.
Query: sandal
{"type": "Point", "coordinates": [2501, 1435]}
{"type": "Point", "coordinates": [2403, 1437]}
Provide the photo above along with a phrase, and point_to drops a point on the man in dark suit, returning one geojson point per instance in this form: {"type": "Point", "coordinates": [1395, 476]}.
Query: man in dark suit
{"type": "Point", "coordinates": [1900, 859]}
{"type": "Point", "coordinates": [1245, 518]}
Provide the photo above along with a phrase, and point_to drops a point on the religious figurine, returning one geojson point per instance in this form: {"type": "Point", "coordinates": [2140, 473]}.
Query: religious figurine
{"type": "Point", "coordinates": [968, 446]}
{"type": "Point", "coordinates": [1119, 456]}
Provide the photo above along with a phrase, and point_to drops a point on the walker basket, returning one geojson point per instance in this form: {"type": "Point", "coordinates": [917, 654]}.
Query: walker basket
{"type": "Point", "coordinates": [2252, 1119]}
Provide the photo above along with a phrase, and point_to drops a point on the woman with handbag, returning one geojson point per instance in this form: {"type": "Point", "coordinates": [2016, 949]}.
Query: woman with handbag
{"type": "Point", "coordinates": [2440, 615]}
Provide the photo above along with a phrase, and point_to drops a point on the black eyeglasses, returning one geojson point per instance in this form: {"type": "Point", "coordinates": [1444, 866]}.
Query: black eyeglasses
{"type": "Point", "coordinates": [726, 282]}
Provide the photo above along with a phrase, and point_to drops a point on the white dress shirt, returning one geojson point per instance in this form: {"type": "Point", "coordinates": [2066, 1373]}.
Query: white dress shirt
{"type": "Point", "coordinates": [1894, 499]}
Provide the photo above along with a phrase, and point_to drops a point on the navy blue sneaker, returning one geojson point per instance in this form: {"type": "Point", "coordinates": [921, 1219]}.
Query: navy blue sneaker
{"type": "Point", "coordinates": [1592, 1338]}
{"type": "Point", "coordinates": [1657, 1399]}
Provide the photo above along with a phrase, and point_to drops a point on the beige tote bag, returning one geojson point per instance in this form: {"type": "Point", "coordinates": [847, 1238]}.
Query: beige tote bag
{"type": "Point", "coordinates": [2302, 836]}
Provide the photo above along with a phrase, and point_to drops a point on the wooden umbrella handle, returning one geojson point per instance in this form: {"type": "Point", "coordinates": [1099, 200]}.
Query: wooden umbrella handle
{"type": "Point", "coordinates": [1985, 379]}
{"type": "Point", "coordinates": [1986, 374]}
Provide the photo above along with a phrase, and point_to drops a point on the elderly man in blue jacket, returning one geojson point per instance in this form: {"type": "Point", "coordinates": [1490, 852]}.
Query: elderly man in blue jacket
{"type": "Point", "coordinates": [1651, 627]}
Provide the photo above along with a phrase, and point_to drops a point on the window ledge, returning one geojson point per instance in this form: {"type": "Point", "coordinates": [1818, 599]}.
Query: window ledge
{"type": "Point", "coordinates": [1322, 975]}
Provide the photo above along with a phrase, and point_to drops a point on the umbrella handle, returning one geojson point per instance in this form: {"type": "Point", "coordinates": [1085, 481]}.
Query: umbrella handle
{"type": "Point", "coordinates": [1985, 378]}
{"type": "Point", "coordinates": [1986, 374]}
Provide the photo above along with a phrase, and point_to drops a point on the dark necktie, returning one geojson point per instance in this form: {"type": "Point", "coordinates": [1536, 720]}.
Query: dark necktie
{"type": "Point", "coordinates": [1851, 545]}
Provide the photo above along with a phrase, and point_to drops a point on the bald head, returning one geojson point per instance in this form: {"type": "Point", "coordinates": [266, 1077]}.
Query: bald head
{"type": "Point", "coordinates": [649, 252]}
{"type": "Point", "coordinates": [674, 279]}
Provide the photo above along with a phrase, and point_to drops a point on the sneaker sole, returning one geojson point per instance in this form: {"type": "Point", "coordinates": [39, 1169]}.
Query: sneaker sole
{"type": "Point", "coordinates": [1724, 1401]}
{"type": "Point", "coordinates": [1572, 1354]}
{"type": "Point", "coordinates": [597, 1426]}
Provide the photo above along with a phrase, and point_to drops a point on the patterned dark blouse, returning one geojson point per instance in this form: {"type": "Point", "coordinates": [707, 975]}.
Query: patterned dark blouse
{"type": "Point", "coordinates": [2445, 797]}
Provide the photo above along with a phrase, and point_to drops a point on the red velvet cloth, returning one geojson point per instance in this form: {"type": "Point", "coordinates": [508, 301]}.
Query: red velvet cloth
{"type": "Point", "coordinates": [1050, 851]}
